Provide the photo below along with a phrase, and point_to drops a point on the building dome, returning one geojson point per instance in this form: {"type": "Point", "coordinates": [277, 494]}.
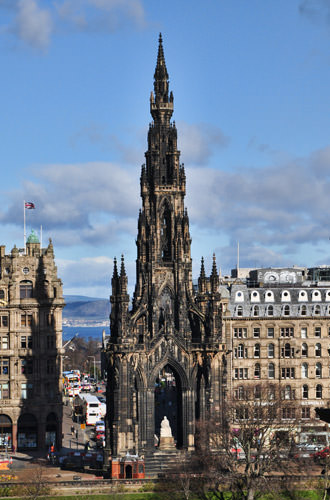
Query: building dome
{"type": "Point", "coordinates": [33, 238]}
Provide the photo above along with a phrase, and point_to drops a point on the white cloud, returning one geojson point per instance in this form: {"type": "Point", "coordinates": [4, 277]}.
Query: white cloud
{"type": "Point", "coordinates": [33, 24]}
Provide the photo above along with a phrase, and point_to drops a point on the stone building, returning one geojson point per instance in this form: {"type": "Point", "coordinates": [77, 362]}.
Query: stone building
{"type": "Point", "coordinates": [31, 303]}
{"type": "Point", "coordinates": [277, 327]}
{"type": "Point", "coordinates": [181, 348]}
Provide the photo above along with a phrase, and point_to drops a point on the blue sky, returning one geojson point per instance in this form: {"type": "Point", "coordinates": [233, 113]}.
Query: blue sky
{"type": "Point", "coordinates": [251, 82]}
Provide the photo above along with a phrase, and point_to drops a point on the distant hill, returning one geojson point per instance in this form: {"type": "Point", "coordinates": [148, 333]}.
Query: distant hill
{"type": "Point", "coordinates": [80, 307]}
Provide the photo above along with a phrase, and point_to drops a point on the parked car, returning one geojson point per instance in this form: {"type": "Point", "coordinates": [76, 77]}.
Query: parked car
{"type": "Point", "coordinates": [99, 426]}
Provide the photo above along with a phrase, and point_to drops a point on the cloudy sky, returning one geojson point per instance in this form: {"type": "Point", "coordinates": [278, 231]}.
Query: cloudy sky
{"type": "Point", "coordinates": [251, 84]}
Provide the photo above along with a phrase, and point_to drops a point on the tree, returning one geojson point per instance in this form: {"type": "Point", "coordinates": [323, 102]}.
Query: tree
{"type": "Point", "coordinates": [243, 448]}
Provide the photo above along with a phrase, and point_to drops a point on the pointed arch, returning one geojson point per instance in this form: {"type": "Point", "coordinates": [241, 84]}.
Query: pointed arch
{"type": "Point", "coordinates": [176, 367]}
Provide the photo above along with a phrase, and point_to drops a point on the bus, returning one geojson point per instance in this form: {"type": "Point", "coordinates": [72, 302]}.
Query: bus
{"type": "Point", "coordinates": [71, 383]}
{"type": "Point", "coordinates": [88, 408]}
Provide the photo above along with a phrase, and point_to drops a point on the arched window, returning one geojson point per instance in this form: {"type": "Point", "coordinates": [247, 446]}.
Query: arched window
{"type": "Point", "coordinates": [2, 294]}
{"type": "Point", "coordinates": [317, 310]}
{"type": "Point", "coordinates": [304, 350]}
{"type": "Point", "coordinates": [239, 297]}
{"type": "Point", "coordinates": [255, 297]}
{"type": "Point", "coordinates": [271, 370]}
{"type": "Point", "coordinates": [318, 350]}
{"type": "Point", "coordinates": [165, 232]}
{"type": "Point", "coordinates": [270, 310]}
{"type": "Point", "coordinates": [257, 370]}
{"type": "Point", "coordinates": [285, 296]}
{"type": "Point", "coordinates": [257, 351]}
{"type": "Point", "coordinates": [239, 311]}
{"type": "Point", "coordinates": [318, 370]}
{"type": "Point", "coordinates": [302, 296]}
{"type": "Point", "coordinates": [26, 289]}
{"type": "Point", "coordinates": [303, 310]}
{"type": "Point", "coordinates": [269, 296]}
{"type": "Point", "coordinates": [286, 310]}
{"type": "Point", "coordinates": [316, 295]}
{"type": "Point", "coordinates": [304, 370]}
{"type": "Point", "coordinates": [287, 392]}
{"type": "Point", "coordinates": [305, 391]}
{"type": "Point", "coordinates": [255, 310]}
{"type": "Point", "coordinates": [271, 350]}
{"type": "Point", "coordinates": [318, 391]}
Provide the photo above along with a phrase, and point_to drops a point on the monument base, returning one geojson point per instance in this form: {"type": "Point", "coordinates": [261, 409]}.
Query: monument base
{"type": "Point", "coordinates": [166, 443]}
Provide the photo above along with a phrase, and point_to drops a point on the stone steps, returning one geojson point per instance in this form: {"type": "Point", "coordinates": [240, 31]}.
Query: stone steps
{"type": "Point", "coordinates": [158, 462]}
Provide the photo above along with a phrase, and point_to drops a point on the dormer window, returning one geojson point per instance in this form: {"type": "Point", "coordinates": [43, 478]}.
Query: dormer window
{"type": "Point", "coordinates": [302, 297]}
{"type": "Point", "coordinates": [269, 296]}
{"type": "Point", "coordinates": [316, 295]}
{"type": "Point", "coordinates": [285, 297]}
{"type": "Point", "coordinates": [255, 297]}
{"type": "Point", "coordinates": [239, 297]}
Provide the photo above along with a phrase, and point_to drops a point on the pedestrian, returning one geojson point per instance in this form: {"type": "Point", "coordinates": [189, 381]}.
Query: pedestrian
{"type": "Point", "coordinates": [72, 430]}
{"type": "Point", "coordinates": [76, 433]}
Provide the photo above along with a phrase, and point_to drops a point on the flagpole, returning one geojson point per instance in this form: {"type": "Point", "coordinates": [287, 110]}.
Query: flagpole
{"type": "Point", "coordinates": [40, 237]}
{"type": "Point", "coordinates": [24, 227]}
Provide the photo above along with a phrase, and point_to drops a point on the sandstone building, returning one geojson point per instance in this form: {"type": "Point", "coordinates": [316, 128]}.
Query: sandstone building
{"type": "Point", "coordinates": [182, 348]}
{"type": "Point", "coordinates": [31, 303]}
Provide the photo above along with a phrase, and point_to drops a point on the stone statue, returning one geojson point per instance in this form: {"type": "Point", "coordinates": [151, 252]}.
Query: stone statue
{"type": "Point", "coordinates": [165, 428]}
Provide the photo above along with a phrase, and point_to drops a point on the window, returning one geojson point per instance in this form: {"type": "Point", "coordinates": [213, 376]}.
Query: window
{"type": "Point", "coordinates": [271, 370]}
{"type": "Point", "coordinates": [257, 351]}
{"type": "Point", "coordinates": [4, 342]}
{"type": "Point", "coordinates": [303, 310]}
{"type": "Point", "coordinates": [317, 331]}
{"type": "Point", "coordinates": [317, 310]}
{"type": "Point", "coordinates": [255, 297]}
{"type": "Point", "coordinates": [240, 393]}
{"type": "Point", "coordinates": [4, 321]}
{"type": "Point", "coordinates": [269, 296]}
{"type": "Point", "coordinates": [2, 294]}
{"type": "Point", "coordinates": [316, 295]}
{"type": "Point", "coordinates": [242, 413]}
{"type": "Point", "coordinates": [285, 296]}
{"type": "Point", "coordinates": [26, 390]}
{"type": "Point", "coordinates": [305, 412]}
{"type": "Point", "coordinates": [270, 310]}
{"type": "Point", "coordinates": [304, 370]}
{"type": "Point", "coordinates": [239, 311]}
{"type": "Point", "coordinates": [287, 351]}
{"type": "Point", "coordinates": [26, 290]}
{"type": "Point", "coordinates": [240, 351]}
{"type": "Point", "coordinates": [256, 333]}
{"type": "Point", "coordinates": [241, 373]}
{"type": "Point", "coordinates": [318, 391]}
{"type": "Point", "coordinates": [271, 393]}
{"type": "Point", "coordinates": [26, 342]}
{"type": "Point", "coordinates": [257, 392]}
{"type": "Point", "coordinates": [318, 370]}
{"type": "Point", "coordinates": [305, 391]}
{"type": "Point", "coordinates": [26, 366]}
{"type": "Point", "coordinates": [302, 296]}
{"type": "Point", "coordinates": [4, 366]}
{"type": "Point", "coordinates": [303, 333]}
{"type": "Point", "coordinates": [286, 310]}
{"type": "Point", "coordinates": [288, 413]}
{"type": "Point", "coordinates": [287, 372]}
{"type": "Point", "coordinates": [304, 350]}
{"type": "Point", "coordinates": [318, 350]}
{"type": "Point", "coordinates": [240, 333]}
{"type": "Point", "coordinates": [257, 370]}
{"type": "Point", "coordinates": [255, 311]}
{"type": "Point", "coordinates": [239, 297]}
{"type": "Point", "coordinates": [288, 393]}
{"type": "Point", "coordinates": [26, 319]}
{"type": "Point", "coordinates": [287, 331]}
{"type": "Point", "coordinates": [271, 350]}
{"type": "Point", "coordinates": [4, 390]}
{"type": "Point", "coordinates": [270, 333]}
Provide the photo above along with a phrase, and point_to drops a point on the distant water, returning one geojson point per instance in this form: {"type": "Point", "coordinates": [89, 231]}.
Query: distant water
{"type": "Point", "coordinates": [85, 332]}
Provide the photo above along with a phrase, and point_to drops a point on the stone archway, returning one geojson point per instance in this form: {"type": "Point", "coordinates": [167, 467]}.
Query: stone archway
{"type": "Point", "coordinates": [27, 431]}
{"type": "Point", "coordinates": [168, 402]}
{"type": "Point", "coordinates": [6, 430]}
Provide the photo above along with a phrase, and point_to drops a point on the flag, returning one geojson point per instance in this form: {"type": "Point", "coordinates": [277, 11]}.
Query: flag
{"type": "Point", "coordinates": [29, 205]}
